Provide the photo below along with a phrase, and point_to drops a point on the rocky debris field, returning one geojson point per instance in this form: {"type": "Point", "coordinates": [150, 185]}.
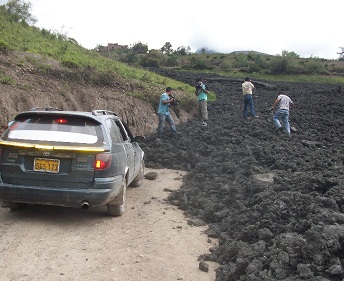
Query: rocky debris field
{"type": "Point", "coordinates": [275, 203]}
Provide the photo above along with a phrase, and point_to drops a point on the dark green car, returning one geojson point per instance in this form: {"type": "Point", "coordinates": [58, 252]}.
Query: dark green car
{"type": "Point", "coordinates": [69, 159]}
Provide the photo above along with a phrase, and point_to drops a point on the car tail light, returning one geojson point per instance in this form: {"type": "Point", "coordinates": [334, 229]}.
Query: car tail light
{"type": "Point", "coordinates": [61, 121]}
{"type": "Point", "coordinates": [103, 161]}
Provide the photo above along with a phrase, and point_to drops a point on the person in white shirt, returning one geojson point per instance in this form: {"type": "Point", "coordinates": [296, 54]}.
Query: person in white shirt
{"type": "Point", "coordinates": [247, 90]}
{"type": "Point", "coordinates": [284, 104]}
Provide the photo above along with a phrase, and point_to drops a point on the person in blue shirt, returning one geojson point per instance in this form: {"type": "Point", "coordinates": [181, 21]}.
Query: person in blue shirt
{"type": "Point", "coordinates": [202, 97]}
{"type": "Point", "coordinates": [164, 113]}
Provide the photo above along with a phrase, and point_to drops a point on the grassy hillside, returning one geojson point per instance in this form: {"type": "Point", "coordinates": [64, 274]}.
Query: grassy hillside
{"type": "Point", "coordinates": [87, 65]}
{"type": "Point", "coordinates": [285, 67]}
{"type": "Point", "coordinates": [91, 66]}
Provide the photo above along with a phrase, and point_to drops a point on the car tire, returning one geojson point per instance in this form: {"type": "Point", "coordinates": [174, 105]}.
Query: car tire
{"type": "Point", "coordinates": [116, 207]}
{"type": "Point", "coordinates": [138, 180]}
{"type": "Point", "coordinates": [12, 205]}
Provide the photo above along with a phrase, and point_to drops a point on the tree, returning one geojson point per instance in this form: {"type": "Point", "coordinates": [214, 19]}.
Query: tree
{"type": "Point", "coordinates": [20, 11]}
{"type": "Point", "coordinates": [287, 54]}
{"type": "Point", "coordinates": [182, 50]}
{"type": "Point", "coordinates": [139, 48]}
{"type": "Point", "coordinates": [167, 48]}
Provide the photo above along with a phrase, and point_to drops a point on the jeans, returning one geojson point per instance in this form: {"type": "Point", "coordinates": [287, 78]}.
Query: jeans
{"type": "Point", "coordinates": [248, 104]}
{"type": "Point", "coordinates": [282, 114]}
{"type": "Point", "coordinates": [202, 110]}
{"type": "Point", "coordinates": [168, 118]}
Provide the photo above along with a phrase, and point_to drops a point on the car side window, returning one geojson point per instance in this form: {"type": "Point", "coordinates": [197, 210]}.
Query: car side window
{"type": "Point", "coordinates": [122, 130]}
{"type": "Point", "coordinates": [115, 132]}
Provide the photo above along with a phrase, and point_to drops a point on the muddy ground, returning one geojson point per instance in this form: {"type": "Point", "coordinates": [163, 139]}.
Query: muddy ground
{"type": "Point", "coordinates": [276, 204]}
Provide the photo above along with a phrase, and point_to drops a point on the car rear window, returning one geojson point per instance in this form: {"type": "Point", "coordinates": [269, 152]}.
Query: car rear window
{"type": "Point", "coordinates": [59, 130]}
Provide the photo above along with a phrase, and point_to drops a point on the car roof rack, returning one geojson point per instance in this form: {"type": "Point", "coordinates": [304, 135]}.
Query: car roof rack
{"type": "Point", "coordinates": [45, 109]}
{"type": "Point", "coordinates": [103, 112]}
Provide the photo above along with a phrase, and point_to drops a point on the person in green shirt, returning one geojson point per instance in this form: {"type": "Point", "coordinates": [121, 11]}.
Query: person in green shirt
{"type": "Point", "coordinates": [164, 113]}
{"type": "Point", "coordinates": [202, 97]}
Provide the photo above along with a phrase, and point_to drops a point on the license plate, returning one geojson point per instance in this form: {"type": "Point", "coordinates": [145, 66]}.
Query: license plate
{"type": "Point", "coordinates": [46, 165]}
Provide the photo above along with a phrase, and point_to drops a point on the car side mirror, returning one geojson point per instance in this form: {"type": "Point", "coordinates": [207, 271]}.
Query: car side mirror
{"type": "Point", "coordinates": [139, 139]}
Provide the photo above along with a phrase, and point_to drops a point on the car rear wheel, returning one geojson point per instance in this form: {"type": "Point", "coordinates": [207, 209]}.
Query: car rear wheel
{"type": "Point", "coordinates": [116, 207]}
{"type": "Point", "coordinates": [12, 205]}
{"type": "Point", "coordinates": [138, 180]}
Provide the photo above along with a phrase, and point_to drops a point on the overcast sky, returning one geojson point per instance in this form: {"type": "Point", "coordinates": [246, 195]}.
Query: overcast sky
{"type": "Point", "coordinates": [307, 27]}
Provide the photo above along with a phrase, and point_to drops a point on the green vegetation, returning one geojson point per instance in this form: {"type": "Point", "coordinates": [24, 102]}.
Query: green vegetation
{"type": "Point", "coordinates": [19, 11]}
{"type": "Point", "coordinates": [17, 35]}
{"type": "Point", "coordinates": [285, 67]}
{"type": "Point", "coordinates": [102, 67]}
{"type": "Point", "coordinates": [5, 79]}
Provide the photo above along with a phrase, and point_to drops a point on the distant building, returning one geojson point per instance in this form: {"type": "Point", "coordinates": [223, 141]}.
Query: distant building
{"type": "Point", "coordinates": [111, 46]}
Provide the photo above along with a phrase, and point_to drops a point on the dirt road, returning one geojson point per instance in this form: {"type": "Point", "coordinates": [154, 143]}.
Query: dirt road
{"type": "Point", "coordinates": [152, 241]}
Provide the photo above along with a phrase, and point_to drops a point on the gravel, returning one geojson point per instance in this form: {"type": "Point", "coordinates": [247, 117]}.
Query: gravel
{"type": "Point", "coordinates": [275, 203]}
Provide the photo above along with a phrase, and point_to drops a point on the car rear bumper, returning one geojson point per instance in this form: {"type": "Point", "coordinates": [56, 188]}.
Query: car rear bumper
{"type": "Point", "coordinates": [102, 192]}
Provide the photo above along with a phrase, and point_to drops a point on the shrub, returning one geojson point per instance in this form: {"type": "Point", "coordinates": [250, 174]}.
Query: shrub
{"type": "Point", "coordinates": [70, 63]}
{"type": "Point", "coordinates": [279, 66]}
{"type": "Point", "coordinates": [4, 47]}
{"type": "Point", "coordinates": [6, 80]}
{"type": "Point", "coordinates": [253, 68]}
{"type": "Point", "coordinates": [225, 66]}
{"type": "Point", "coordinates": [240, 61]}
{"type": "Point", "coordinates": [172, 60]}
{"type": "Point", "coordinates": [152, 62]}
{"type": "Point", "coordinates": [294, 68]}
{"type": "Point", "coordinates": [200, 63]}
{"type": "Point", "coordinates": [314, 66]}
{"type": "Point", "coordinates": [103, 78]}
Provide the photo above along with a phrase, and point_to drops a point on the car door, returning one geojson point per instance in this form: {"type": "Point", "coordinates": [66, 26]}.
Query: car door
{"type": "Point", "coordinates": [121, 141]}
{"type": "Point", "coordinates": [131, 151]}
{"type": "Point", "coordinates": [138, 153]}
